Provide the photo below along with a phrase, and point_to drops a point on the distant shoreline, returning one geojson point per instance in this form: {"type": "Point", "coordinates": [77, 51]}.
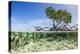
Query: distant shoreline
{"type": "Point", "coordinates": [43, 31]}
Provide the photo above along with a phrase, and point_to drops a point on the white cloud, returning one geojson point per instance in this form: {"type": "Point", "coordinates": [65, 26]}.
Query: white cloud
{"type": "Point", "coordinates": [19, 26]}
{"type": "Point", "coordinates": [16, 25]}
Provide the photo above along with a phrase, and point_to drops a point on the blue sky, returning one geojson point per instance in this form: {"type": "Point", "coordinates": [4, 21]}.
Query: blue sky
{"type": "Point", "coordinates": [27, 14]}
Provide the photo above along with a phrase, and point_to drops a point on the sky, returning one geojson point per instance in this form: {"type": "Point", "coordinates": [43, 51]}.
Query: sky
{"type": "Point", "coordinates": [27, 14]}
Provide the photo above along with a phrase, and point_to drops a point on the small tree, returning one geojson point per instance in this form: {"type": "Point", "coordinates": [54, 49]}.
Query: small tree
{"type": "Point", "coordinates": [58, 16]}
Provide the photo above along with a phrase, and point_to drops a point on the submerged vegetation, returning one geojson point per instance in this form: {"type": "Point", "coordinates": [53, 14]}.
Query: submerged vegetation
{"type": "Point", "coordinates": [42, 41]}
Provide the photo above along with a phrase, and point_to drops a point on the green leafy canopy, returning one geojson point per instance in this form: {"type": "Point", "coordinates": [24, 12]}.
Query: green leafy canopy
{"type": "Point", "coordinates": [58, 15]}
